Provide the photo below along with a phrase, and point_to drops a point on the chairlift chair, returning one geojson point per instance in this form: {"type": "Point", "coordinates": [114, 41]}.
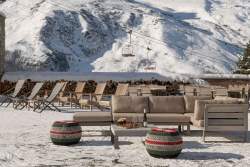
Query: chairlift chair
{"type": "Point", "coordinates": [127, 51]}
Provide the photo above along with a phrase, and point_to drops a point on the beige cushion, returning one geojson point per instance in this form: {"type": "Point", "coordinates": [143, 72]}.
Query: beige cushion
{"type": "Point", "coordinates": [84, 101]}
{"type": "Point", "coordinates": [197, 123]}
{"type": "Point", "coordinates": [104, 103]}
{"type": "Point", "coordinates": [134, 117]}
{"type": "Point", "coordinates": [129, 104]}
{"type": "Point", "coordinates": [92, 117]}
{"type": "Point", "coordinates": [190, 100]}
{"type": "Point", "coordinates": [167, 118]}
{"type": "Point", "coordinates": [166, 104]}
{"type": "Point", "coordinates": [230, 99]}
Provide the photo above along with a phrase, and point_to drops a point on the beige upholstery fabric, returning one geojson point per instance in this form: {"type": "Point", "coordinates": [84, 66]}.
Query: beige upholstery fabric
{"type": "Point", "coordinates": [129, 104]}
{"type": "Point", "coordinates": [229, 99]}
{"type": "Point", "coordinates": [166, 104]}
{"type": "Point", "coordinates": [84, 101]}
{"type": "Point", "coordinates": [167, 117]}
{"type": "Point", "coordinates": [197, 123]}
{"type": "Point", "coordinates": [135, 117]}
{"type": "Point", "coordinates": [190, 100]}
{"type": "Point", "coordinates": [199, 108]}
{"type": "Point", "coordinates": [92, 117]}
{"type": "Point", "coordinates": [104, 103]}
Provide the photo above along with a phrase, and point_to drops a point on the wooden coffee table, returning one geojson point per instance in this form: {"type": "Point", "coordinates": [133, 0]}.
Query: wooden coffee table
{"type": "Point", "coordinates": [118, 131]}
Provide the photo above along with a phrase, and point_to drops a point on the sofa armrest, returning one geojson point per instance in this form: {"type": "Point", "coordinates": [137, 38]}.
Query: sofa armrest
{"type": "Point", "coordinates": [226, 117]}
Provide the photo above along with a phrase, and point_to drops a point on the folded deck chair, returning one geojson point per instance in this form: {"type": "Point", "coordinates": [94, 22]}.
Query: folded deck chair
{"type": "Point", "coordinates": [73, 97]}
{"type": "Point", "coordinates": [42, 104]}
{"type": "Point", "coordinates": [93, 98]}
{"type": "Point", "coordinates": [9, 97]}
{"type": "Point", "coordinates": [25, 101]}
{"type": "Point", "coordinates": [121, 90]}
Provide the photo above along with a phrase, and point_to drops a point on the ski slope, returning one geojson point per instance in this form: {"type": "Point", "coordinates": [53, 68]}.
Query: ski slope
{"type": "Point", "coordinates": [184, 37]}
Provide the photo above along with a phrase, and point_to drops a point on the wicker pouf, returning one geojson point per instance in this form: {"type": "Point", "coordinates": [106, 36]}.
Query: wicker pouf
{"type": "Point", "coordinates": [164, 143]}
{"type": "Point", "coordinates": [65, 132]}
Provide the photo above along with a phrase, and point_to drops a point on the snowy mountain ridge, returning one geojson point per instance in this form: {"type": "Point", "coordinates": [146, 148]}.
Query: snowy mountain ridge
{"type": "Point", "coordinates": [194, 37]}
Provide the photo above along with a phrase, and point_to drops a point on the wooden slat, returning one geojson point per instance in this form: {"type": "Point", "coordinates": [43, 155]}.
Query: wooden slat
{"type": "Point", "coordinates": [225, 115]}
{"type": "Point", "coordinates": [219, 122]}
{"type": "Point", "coordinates": [225, 128]}
{"type": "Point", "coordinates": [230, 108]}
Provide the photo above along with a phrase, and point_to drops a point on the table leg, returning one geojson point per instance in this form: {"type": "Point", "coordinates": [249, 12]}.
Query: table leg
{"type": "Point", "coordinates": [112, 138]}
{"type": "Point", "coordinates": [179, 128]}
{"type": "Point", "coordinates": [188, 129]}
{"type": "Point", "coordinates": [116, 142]}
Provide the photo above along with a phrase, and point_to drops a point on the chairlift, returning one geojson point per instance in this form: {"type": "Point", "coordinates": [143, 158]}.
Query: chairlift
{"type": "Point", "coordinates": [127, 50]}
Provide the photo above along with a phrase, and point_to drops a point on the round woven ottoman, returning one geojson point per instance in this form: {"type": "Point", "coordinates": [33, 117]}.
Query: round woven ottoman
{"type": "Point", "coordinates": [65, 132]}
{"type": "Point", "coordinates": [163, 143]}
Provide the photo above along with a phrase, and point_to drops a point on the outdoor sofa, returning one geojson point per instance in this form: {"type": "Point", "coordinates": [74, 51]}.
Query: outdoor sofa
{"type": "Point", "coordinates": [160, 110]}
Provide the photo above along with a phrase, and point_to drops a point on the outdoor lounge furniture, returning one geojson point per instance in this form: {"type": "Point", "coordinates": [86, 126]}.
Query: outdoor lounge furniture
{"type": "Point", "coordinates": [9, 97]}
{"type": "Point", "coordinates": [95, 118]}
{"type": "Point", "coordinates": [226, 117]}
{"type": "Point", "coordinates": [93, 99]}
{"type": "Point", "coordinates": [118, 131]}
{"type": "Point", "coordinates": [129, 107]}
{"type": "Point", "coordinates": [167, 110]}
{"type": "Point", "coordinates": [42, 104]}
{"type": "Point", "coordinates": [25, 101]}
{"type": "Point", "coordinates": [73, 97]}
{"type": "Point", "coordinates": [121, 90]}
{"type": "Point", "coordinates": [204, 91]}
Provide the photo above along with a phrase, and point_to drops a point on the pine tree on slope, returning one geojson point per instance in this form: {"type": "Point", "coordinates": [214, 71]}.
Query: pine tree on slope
{"type": "Point", "coordinates": [243, 66]}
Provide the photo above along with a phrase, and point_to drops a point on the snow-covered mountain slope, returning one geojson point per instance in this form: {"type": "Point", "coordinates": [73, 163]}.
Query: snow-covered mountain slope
{"type": "Point", "coordinates": [193, 36]}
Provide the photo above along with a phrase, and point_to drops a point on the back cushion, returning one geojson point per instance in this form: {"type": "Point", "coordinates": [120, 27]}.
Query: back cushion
{"type": "Point", "coordinates": [129, 104]}
{"type": "Point", "coordinates": [230, 99]}
{"type": "Point", "coordinates": [166, 104]}
{"type": "Point", "coordinates": [190, 100]}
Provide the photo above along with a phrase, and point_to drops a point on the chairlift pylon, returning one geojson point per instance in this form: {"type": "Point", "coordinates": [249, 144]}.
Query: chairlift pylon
{"type": "Point", "coordinates": [127, 50]}
{"type": "Point", "coordinates": [151, 65]}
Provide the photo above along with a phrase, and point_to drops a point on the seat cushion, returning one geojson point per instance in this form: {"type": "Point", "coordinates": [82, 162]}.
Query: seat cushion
{"type": "Point", "coordinates": [190, 100]}
{"type": "Point", "coordinates": [129, 104]}
{"type": "Point", "coordinates": [197, 123]}
{"type": "Point", "coordinates": [92, 117]}
{"type": "Point", "coordinates": [104, 103]}
{"type": "Point", "coordinates": [84, 101]}
{"type": "Point", "coordinates": [134, 117]}
{"type": "Point", "coordinates": [166, 104]}
{"type": "Point", "coordinates": [167, 118]}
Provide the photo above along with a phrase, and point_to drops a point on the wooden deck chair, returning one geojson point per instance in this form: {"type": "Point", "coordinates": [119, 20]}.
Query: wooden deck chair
{"type": "Point", "coordinates": [73, 97]}
{"type": "Point", "coordinates": [42, 104]}
{"type": "Point", "coordinates": [204, 91]}
{"type": "Point", "coordinates": [25, 101]}
{"type": "Point", "coordinates": [190, 90]}
{"type": "Point", "coordinates": [92, 99]}
{"type": "Point", "coordinates": [121, 90]}
{"type": "Point", "coordinates": [220, 91]}
{"type": "Point", "coordinates": [9, 97]}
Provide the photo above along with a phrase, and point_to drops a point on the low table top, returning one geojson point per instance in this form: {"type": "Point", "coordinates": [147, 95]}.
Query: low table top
{"type": "Point", "coordinates": [122, 131]}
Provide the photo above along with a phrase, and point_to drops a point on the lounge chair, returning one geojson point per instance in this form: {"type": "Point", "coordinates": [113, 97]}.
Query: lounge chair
{"type": "Point", "coordinates": [204, 91]}
{"type": "Point", "coordinates": [73, 97]}
{"type": "Point", "coordinates": [9, 97]}
{"type": "Point", "coordinates": [42, 104]}
{"type": "Point", "coordinates": [121, 90]}
{"type": "Point", "coordinates": [25, 101]}
{"type": "Point", "coordinates": [93, 99]}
